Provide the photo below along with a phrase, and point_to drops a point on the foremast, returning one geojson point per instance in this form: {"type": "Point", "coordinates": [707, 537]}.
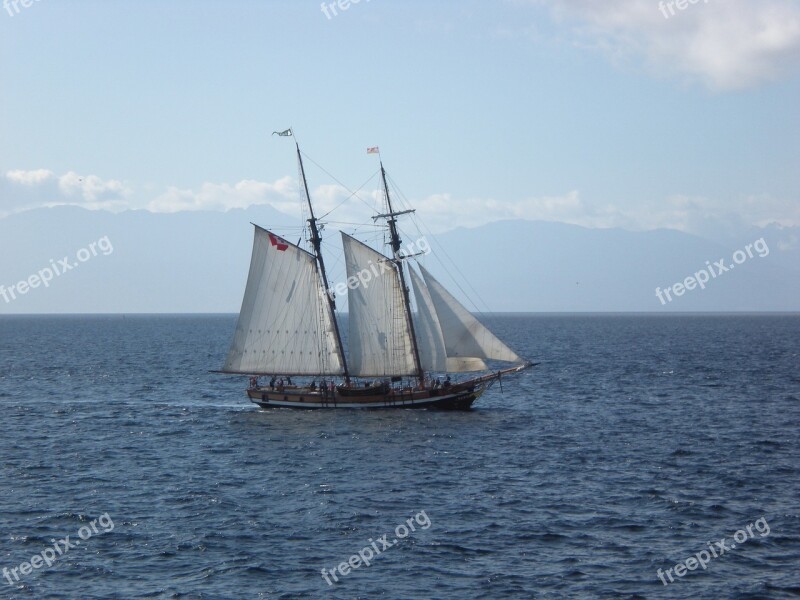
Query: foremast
{"type": "Point", "coordinates": [391, 220]}
{"type": "Point", "coordinates": [316, 243]}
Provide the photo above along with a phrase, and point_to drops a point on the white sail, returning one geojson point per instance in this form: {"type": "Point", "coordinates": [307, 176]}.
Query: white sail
{"type": "Point", "coordinates": [465, 364]}
{"type": "Point", "coordinates": [379, 339]}
{"type": "Point", "coordinates": [430, 340]}
{"type": "Point", "coordinates": [464, 336]}
{"type": "Point", "coordinates": [285, 326]}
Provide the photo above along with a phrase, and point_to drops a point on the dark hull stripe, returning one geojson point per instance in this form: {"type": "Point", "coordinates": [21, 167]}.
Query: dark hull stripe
{"type": "Point", "coordinates": [460, 401]}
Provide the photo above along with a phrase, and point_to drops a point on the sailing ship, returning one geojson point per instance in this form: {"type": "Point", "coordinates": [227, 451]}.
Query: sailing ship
{"type": "Point", "coordinates": [398, 358]}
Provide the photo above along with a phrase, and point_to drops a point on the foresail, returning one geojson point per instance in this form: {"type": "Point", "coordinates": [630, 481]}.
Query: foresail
{"type": "Point", "coordinates": [379, 339]}
{"type": "Point", "coordinates": [430, 339]}
{"type": "Point", "coordinates": [465, 364]}
{"type": "Point", "coordinates": [286, 324]}
{"type": "Point", "coordinates": [464, 336]}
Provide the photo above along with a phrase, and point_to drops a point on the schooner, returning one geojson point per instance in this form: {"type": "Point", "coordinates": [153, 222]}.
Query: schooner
{"type": "Point", "coordinates": [398, 358]}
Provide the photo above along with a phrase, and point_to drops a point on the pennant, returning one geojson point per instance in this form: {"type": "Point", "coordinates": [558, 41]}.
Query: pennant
{"type": "Point", "coordinates": [280, 244]}
{"type": "Point", "coordinates": [373, 150]}
{"type": "Point", "coordinates": [282, 133]}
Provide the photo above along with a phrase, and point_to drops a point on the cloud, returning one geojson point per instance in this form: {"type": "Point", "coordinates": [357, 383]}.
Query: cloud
{"type": "Point", "coordinates": [708, 217]}
{"type": "Point", "coordinates": [223, 196]}
{"type": "Point", "coordinates": [441, 212]}
{"type": "Point", "coordinates": [717, 218]}
{"type": "Point", "coordinates": [724, 44]}
{"type": "Point", "coordinates": [284, 195]}
{"type": "Point", "coordinates": [30, 178]}
{"type": "Point", "coordinates": [91, 189]}
{"type": "Point", "coordinates": [23, 190]}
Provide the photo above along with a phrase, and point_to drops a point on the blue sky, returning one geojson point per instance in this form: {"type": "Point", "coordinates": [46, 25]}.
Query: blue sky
{"type": "Point", "coordinates": [595, 113]}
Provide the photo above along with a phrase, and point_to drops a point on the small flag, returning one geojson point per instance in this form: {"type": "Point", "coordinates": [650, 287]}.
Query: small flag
{"type": "Point", "coordinates": [280, 244]}
{"type": "Point", "coordinates": [283, 133]}
{"type": "Point", "coordinates": [373, 150]}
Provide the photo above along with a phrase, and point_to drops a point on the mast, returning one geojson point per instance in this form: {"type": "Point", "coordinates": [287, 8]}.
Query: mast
{"type": "Point", "coordinates": [316, 242]}
{"type": "Point", "coordinates": [391, 219]}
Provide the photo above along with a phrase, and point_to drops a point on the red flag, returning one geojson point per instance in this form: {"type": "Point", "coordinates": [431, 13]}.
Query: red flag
{"type": "Point", "coordinates": [373, 150]}
{"type": "Point", "coordinates": [280, 244]}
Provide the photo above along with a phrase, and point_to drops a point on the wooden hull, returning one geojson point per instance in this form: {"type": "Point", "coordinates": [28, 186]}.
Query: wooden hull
{"type": "Point", "coordinates": [457, 397]}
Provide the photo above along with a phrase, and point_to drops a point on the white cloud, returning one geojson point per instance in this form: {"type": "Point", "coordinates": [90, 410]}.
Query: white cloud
{"type": "Point", "coordinates": [718, 218]}
{"type": "Point", "coordinates": [30, 178]}
{"type": "Point", "coordinates": [223, 196]}
{"type": "Point", "coordinates": [22, 190]}
{"type": "Point", "coordinates": [725, 44]}
{"type": "Point", "coordinates": [91, 189]}
{"type": "Point", "coordinates": [708, 217]}
{"type": "Point", "coordinates": [441, 212]}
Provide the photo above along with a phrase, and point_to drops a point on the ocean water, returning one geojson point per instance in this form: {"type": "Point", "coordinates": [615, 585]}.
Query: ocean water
{"type": "Point", "coordinates": [637, 442]}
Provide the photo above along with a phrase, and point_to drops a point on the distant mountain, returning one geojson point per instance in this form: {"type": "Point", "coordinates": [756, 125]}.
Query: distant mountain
{"type": "Point", "coordinates": [559, 267]}
{"type": "Point", "coordinates": [181, 262]}
{"type": "Point", "coordinates": [198, 262]}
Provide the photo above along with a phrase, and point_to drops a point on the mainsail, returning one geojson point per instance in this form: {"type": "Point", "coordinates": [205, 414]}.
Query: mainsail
{"type": "Point", "coordinates": [379, 338]}
{"type": "Point", "coordinates": [286, 324]}
{"type": "Point", "coordinates": [464, 336]}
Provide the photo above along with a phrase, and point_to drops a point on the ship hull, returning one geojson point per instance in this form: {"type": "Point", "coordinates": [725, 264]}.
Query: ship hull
{"type": "Point", "coordinates": [304, 398]}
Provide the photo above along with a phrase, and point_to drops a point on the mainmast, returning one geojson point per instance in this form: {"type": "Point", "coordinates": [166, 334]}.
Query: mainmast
{"type": "Point", "coordinates": [316, 243]}
{"type": "Point", "coordinates": [391, 219]}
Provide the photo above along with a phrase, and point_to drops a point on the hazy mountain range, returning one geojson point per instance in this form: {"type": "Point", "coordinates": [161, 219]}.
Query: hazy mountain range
{"type": "Point", "coordinates": [198, 262]}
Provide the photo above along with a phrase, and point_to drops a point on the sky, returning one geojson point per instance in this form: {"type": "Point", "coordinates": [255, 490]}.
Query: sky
{"type": "Point", "coordinates": [636, 114]}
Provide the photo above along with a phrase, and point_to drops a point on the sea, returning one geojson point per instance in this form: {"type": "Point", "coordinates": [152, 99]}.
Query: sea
{"type": "Point", "coordinates": [645, 456]}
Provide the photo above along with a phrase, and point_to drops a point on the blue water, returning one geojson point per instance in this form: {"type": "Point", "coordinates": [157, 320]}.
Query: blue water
{"type": "Point", "coordinates": [635, 443]}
